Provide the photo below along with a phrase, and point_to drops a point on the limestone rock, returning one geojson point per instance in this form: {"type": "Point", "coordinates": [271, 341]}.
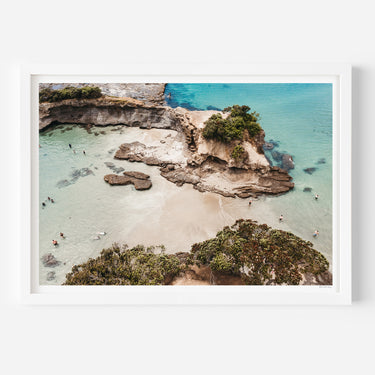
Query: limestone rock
{"type": "Point", "coordinates": [142, 182]}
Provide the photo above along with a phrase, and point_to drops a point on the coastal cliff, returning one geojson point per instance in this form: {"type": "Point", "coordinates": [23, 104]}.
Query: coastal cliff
{"type": "Point", "coordinates": [187, 157]}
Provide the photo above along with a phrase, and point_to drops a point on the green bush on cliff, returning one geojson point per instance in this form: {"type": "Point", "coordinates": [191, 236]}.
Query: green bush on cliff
{"type": "Point", "coordinates": [260, 255]}
{"type": "Point", "coordinates": [233, 126]}
{"type": "Point", "coordinates": [123, 266]}
{"type": "Point", "coordinates": [69, 92]}
{"type": "Point", "coordinates": [238, 152]}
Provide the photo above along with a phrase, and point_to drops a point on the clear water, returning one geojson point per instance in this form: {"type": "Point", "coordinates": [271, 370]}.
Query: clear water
{"type": "Point", "coordinates": [298, 116]}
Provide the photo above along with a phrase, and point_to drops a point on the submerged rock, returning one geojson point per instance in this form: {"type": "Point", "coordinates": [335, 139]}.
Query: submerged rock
{"type": "Point", "coordinates": [309, 170]}
{"type": "Point", "coordinates": [49, 260]}
{"type": "Point", "coordinates": [321, 161]}
{"type": "Point", "coordinates": [63, 183]}
{"type": "Point", "coordinates": [307, 189]}
{"type": "Point", "coordinates": [277, 156]}
{"type": "Point", "coordinates": [51, 276]}
{"type": "Point", "coordinates": [287, 162]}
{"type": "Point", "coordinates": [83, 172]}
{"type": "Point", "coordinates": [268, 146]}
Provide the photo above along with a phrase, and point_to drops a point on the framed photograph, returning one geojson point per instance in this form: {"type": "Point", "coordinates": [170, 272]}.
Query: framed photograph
{"type": "Point", "coordinates": [186, 184]}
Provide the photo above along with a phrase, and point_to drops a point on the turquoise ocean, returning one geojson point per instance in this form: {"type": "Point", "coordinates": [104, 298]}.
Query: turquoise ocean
{"type": "Point", "coordinates": [296, 117]}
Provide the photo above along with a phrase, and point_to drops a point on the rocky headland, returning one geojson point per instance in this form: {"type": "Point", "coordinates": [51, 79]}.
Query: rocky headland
{"type": "Point", "coordinates": [184, 155]}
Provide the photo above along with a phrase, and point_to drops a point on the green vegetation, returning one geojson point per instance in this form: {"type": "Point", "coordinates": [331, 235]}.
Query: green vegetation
{"type": "Point", "coordinates": [86, 92]}
{"type": "Point", "coordinates": [238, 152]}
{"type": "Point", "coordinates": [123, 266]}
{"type": "Point", "coordinates": [258, 254]}
{"type": "Point", "coordinates": [233, 126]}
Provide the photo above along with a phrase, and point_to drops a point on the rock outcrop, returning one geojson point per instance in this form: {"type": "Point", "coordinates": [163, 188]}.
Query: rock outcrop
{"type": "Point", "coordinates": [149, 93]}
{"type": "Point", "coordinates": [187, 157]}
{"type": "Point", "coordinates": [140, 180]}
{"type": "Point", "coordinates": [107, 111]}
{"type": "Point", "coordinates": [208, 164]}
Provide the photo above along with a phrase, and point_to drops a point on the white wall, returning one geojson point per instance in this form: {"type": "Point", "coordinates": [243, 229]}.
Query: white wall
{"type": "Point", "coordinates": [170, 340]}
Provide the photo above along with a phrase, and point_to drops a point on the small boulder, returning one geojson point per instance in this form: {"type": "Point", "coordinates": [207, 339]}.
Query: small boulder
{"type": "Point", "coordinates": [49, 260]}
{"type": "Point", "coordinates": [268, 146]}
{"type": "Point", "coordinates": [309, 170]}
{"type": "Point", "coordinates": [51, 276]}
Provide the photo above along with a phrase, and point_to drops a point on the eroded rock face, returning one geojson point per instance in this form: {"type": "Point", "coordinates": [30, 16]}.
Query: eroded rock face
{"type": "Point", "coordinates": [107, 111]}
{"type": "Point", "coordinates": [140, 180]}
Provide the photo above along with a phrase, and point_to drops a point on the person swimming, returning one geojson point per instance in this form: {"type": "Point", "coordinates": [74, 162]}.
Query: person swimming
{"type": "Point", "coordinates": [43, 204]}
{"type": "Point", "coordinates": [316, 233]}
{"type": "Point", "coordinates": [316, 197]}
{"type": "Point", "coordinates": [250, 203]}
{"type": "Point", "coordinates": [52, 201]}
{"type": "Point", "coordinates": [281, 218]}
{"type": "Point", "coordinates": [62, 235]}
{"type": "Point", "coordinates": [54, 242]}
{"type": "Point", "coordinates": [84, 152]}
{"type": "Point", "coordinates": [70, 146]}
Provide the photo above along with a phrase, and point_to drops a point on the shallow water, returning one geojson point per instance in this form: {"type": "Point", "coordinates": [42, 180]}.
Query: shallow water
{"type": "Point", "coordinates": [180, 216]}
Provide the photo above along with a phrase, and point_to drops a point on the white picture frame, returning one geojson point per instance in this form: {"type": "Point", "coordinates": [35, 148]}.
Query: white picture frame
{"type": "Point", "coordinates": [337, 294]}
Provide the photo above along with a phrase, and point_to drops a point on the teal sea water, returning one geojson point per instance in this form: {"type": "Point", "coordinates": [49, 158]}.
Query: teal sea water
{"type": "Point", "coordinates": [296, 116]}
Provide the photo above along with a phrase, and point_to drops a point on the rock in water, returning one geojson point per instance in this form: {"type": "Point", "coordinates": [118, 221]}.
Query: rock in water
{"type": "Point", "coordinates": [277, 156]}
{"type": "Point", "coordinates": [51, 276]}
{"type": "Point", "coordinates": [49, 260]}
{"type": "Point", "coordinates": [140, 180]}
{"type": "Point", "coordinates": [307, 190]}
{"type": "Point", "coordinates": [63, 183]}
{"type": "Point", "coordinates": [309, 170]}
{"type": "Point", "coordinates": [288, 162]}
{"type": "Point", "coordinates": [321, 161]}
{"type": "Point", "coordinates": [268, 146]}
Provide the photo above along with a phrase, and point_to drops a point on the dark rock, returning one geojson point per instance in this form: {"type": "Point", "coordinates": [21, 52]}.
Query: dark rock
{"type": "Point", "coordinates": [268, 146]}
{"type": "Point", "coordinates": [83, 172]}
{"type": "Point", "coordinates": [287, 162]}
{"type": "Point", "coordinates": [277, 156]}
{"type": "Point", "coordinates": [49, 260]}
{"type": "Point", "coordinates": [63, 183]}
{"type": "Point", "coordinates": [140, 183]}
{"type": "Point", "coordinates": [139, 175]}
{"type": "Point", "coordinates": [321, 161]}
{"type": "Point", "coordinates": [307, 189]}
{"type": "Point", "coordinates": [309, 170]}
{"type": "Point", "coordinates": [51, 276]}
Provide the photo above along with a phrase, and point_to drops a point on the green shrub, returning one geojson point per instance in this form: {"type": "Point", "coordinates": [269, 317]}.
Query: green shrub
{"type": "Point", "coordinates": [69, 92]}
{"type": "Point", "coordinates": [232, 127]}
{"type": "Point", "coordinates": [238, 152]}
{"type": "Point", "coordinates": [123, 266]}
{"type": "Point", "coordinates": [260, 254]}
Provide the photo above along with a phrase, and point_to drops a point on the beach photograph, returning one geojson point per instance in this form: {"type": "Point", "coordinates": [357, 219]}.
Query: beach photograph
{"type": "Point", "coordinates": [185, 184]}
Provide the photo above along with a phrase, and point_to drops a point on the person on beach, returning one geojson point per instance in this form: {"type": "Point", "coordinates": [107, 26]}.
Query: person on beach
{"type": "Point", "coordinates": [281, 218]}
{"type": "Point", "coordinates": [70, 146]}
{"type": "Point", "coordinates": [316, 233]}
{"type": "Point", "coordinates": [250, 203]}
{"type": "Point", "coordinates": [316, 197]}
{"type": "Point", "coordinates": [54, 242]}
